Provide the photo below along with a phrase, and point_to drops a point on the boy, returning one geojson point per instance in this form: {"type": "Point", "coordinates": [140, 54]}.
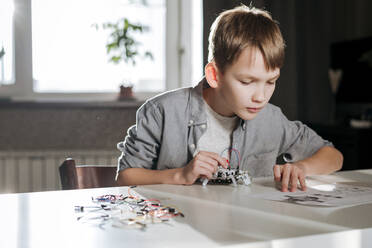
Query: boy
{"type": "Point", "coordinates": [183, 135]}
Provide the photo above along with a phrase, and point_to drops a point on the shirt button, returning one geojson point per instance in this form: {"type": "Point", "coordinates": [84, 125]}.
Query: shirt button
{"type": "Point", "coordinates": [203, 126]}
{"type": "Point", "coordinates": [192, 146]}
{"type": "Point", "coordinates": [191, 122]}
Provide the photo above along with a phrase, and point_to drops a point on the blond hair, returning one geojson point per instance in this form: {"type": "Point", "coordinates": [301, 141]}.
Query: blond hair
{"type": "Point", "coordinates": [242, 27]}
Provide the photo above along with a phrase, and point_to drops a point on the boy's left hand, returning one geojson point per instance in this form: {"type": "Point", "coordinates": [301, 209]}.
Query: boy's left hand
{"type": "Point", "coordinates": [289, 174]}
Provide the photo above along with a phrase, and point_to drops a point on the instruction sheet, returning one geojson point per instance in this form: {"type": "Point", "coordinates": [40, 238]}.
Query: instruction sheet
{"type": "Point", "coordinates": [332, 195]}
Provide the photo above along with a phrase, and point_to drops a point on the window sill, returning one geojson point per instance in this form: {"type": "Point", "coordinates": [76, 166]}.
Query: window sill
{"type": "Point", "coordinates": [74, 100]}
{"type": "Point", "coordinates": [70, 104]}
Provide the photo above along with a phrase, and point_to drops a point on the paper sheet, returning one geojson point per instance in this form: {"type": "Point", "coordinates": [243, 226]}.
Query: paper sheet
{"type": "Point", "coordinates": [332, 195]}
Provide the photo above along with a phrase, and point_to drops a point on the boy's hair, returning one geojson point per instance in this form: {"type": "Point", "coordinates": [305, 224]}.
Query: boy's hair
{"type": "Point", "coordinates": [242, 27]}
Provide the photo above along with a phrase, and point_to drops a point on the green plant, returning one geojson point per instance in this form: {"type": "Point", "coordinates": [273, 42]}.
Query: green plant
{"type": "Point", "coordinates": [2, 52]}
{"type": "Point", "coordinates": [122, 45]}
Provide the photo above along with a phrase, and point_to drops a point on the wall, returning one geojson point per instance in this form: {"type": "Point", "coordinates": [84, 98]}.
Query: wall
{"type": "Point", "coordinates": [309, 27]}
{"type": "Point", "coordinates": [35, 138]}
{"type": "Point", "coordinates": [67, 126]}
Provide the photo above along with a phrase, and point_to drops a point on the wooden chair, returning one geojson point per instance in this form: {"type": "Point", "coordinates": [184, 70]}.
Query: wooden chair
{"type": "Point", "coordinates": [86, 176]}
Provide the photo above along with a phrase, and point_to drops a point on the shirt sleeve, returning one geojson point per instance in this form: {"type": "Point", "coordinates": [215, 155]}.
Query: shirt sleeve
{"type": "Point", "coordinates": [140, 148]}
{"type": "Point", "coordinates": [298, 140]}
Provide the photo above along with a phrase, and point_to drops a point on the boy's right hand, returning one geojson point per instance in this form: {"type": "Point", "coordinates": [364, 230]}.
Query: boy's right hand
{"type": "Point", "coordinates": [204, 164]}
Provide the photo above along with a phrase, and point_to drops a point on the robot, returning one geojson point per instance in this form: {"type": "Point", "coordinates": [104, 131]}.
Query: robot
{"type": "Point", "coordinates": [229, 176]}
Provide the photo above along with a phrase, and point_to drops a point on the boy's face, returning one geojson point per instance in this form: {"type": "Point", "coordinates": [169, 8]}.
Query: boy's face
{"type": "Point", "coordinates": [246, 86]}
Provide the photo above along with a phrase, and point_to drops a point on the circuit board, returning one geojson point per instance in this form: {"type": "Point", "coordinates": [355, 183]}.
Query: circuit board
{"type": "Point", "coordinates": [229, 176]}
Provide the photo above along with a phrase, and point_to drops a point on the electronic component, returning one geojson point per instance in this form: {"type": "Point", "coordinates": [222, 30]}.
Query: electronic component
{"type": "Point", "coordinates": [229, 176]}
{"type": "Point", "coordinates": [126, 211]}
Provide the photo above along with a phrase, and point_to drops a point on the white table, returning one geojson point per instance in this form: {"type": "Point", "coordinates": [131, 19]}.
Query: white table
{"type": "Point", "coordinates": [214, 216]}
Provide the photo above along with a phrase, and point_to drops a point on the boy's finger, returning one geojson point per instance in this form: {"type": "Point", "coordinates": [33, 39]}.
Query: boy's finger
{"type": "Point", "coordinates": [227, 164]}
{"type": "Point", "coordinates": [210, 168]}
{"type": "Point", "coordinates": [294, 180]}
{"type": "Point", "coordinates": [210, 161]}
{"type": "Point", "coordinates": [285, 178]}
{"type": "Point", "coordinates": [203, 172]}
{"type": "Point", "coordinates": [302, 182]}
{"type": "Point", "coordinates": [277, 173]}
{"type": "Point", "coordinates": [222, 161]}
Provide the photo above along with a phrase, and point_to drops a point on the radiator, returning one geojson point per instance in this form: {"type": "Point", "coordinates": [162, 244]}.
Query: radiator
{"type": "Point", "coordinates": [30, 171]}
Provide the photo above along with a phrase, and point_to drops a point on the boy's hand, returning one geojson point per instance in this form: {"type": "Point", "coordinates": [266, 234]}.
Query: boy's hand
{"type": "Point", "coordinates": [204, 164]}
{"type": "Point", "coordinates": [289, 175]}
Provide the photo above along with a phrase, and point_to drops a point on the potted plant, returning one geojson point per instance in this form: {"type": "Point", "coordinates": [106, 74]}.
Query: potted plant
{"type": "Point", "coordinates": [2, 52]}
{"type": "Point", "coordinates": [123, 47]}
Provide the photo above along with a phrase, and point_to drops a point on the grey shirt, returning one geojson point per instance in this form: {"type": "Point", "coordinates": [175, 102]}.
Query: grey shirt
{"type": "Point", "coordinates": [169, 126]}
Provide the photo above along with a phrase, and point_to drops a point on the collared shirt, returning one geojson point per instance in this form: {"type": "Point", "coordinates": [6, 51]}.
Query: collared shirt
{"type": "Point", "coordinates": [169, 126]}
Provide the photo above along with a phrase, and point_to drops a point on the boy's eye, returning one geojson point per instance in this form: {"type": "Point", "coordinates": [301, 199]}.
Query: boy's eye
{"type": "Point", "coordinates": [246, 82]}
{"type": "Point", "coordinates": [271, 82]}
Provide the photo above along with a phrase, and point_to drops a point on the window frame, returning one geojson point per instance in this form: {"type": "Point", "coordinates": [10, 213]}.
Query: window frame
{"type": "Point", "coordinates": [177, 60]}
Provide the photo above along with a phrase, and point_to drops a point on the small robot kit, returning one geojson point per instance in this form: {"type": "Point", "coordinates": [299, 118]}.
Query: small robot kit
{"type": "Point", "coordinates": [229, 176]}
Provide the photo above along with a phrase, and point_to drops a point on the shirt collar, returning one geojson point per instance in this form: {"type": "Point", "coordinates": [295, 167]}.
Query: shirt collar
{"type": "Point", "coordinates": [197, 105]}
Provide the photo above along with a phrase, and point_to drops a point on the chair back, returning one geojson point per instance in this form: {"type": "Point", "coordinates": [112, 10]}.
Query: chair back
{"type": "Point", "coordinates": [86, 176]}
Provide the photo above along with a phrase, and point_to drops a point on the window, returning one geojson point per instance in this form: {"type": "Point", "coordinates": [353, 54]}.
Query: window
{"type": "Point", "coordinates": [59, 54]}
{"type": "Point", "coordinates": [6, 42]}
{"type": "Point", "coordinates": [69, 54]}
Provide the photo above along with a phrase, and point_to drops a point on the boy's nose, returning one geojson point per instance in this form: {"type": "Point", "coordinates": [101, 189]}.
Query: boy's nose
{"type": "Point", "coordinates": [259, 94]}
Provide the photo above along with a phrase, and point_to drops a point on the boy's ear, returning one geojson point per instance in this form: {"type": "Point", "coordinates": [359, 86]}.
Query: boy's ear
{"type": "Point", "coordinates": [211, 74]}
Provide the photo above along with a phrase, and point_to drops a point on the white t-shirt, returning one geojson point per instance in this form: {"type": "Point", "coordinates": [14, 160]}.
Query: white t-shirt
{"type": "Point", "coordinates": [218, 135]}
